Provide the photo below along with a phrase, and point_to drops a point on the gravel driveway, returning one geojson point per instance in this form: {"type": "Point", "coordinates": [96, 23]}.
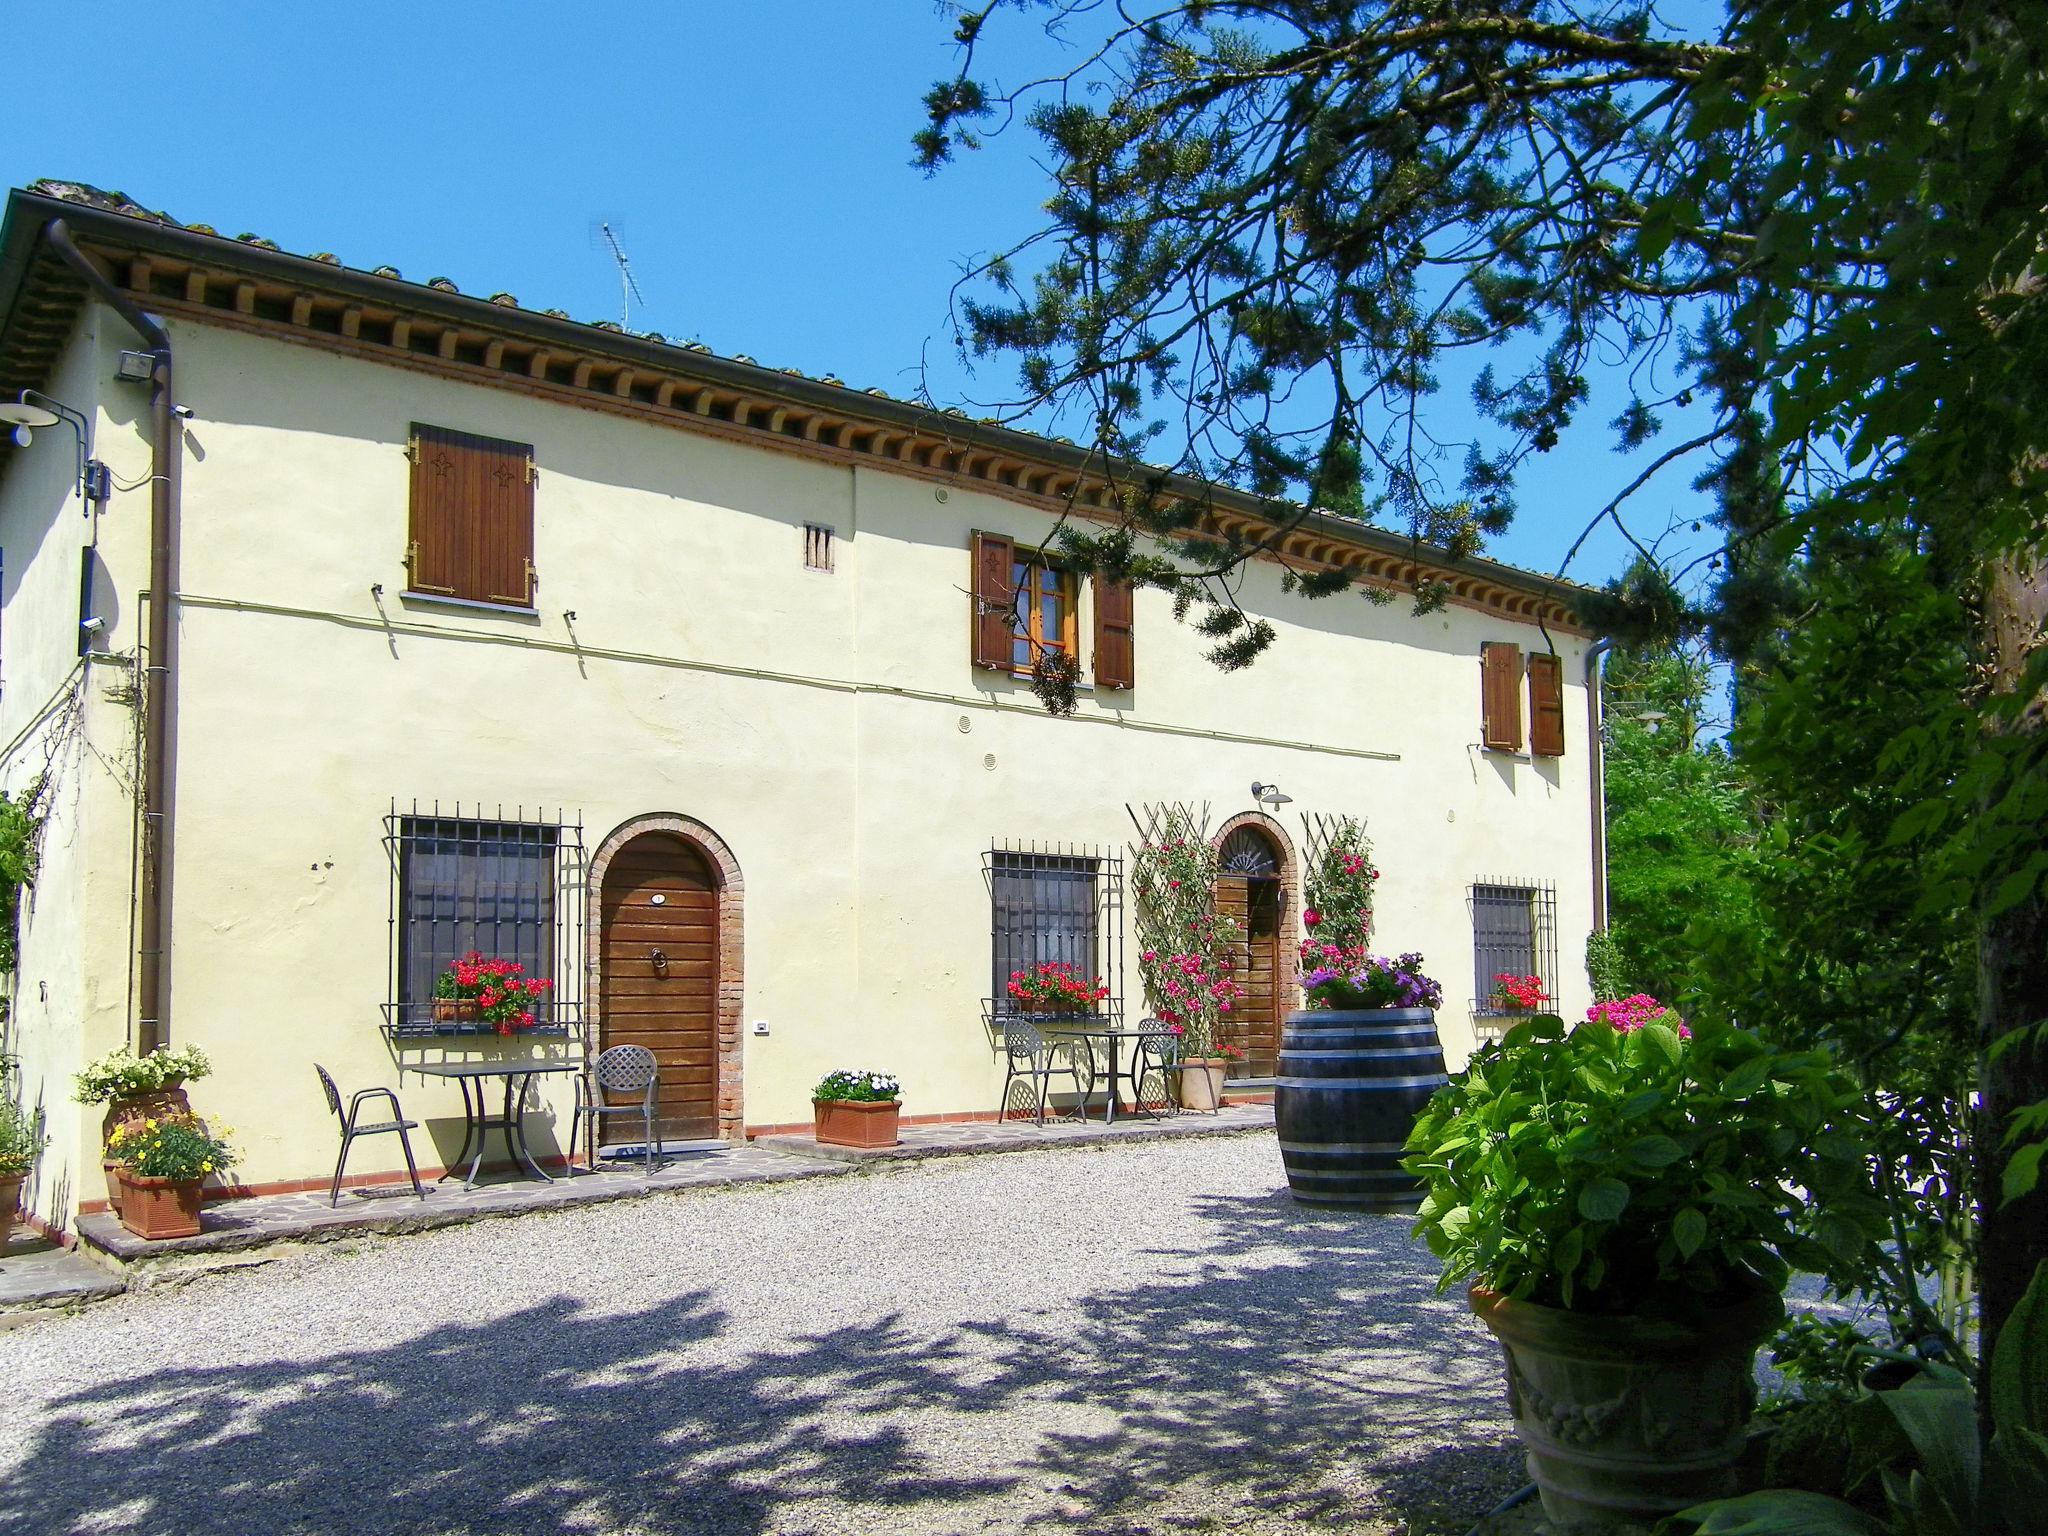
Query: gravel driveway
{"type": "Point", "coordinates": [1141, 1338]}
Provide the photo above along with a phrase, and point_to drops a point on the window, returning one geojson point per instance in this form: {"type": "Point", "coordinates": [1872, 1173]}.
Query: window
{"type": "Point", "coordinates": [471, 532]}
{"type": "Point", "coordinates": [1500, 696]}
{"type": "Point", "coordinates": [1546, 705]}
{"type": "Point", "coordinates": [1045, 612]}
{"type": "Point", "coordinates": [510, 889]}
{"type": "Point", "coordinates": [1050, 906]}
{"type": "Point", "coordinates": [1023, 606]}
{"type": "Point", "coordinates": [817, 547]}
{"type": "Point", "coordinates": [1514, 933]}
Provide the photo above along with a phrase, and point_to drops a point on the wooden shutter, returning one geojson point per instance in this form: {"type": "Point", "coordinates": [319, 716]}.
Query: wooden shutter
{"type": "Point", "coordinates": [1115, 647]}
{"type": "Point", "coordinates": [472, 517]}
{"type": "Point", "coordinates": [995, 598]}
{"type": "Point", "coordinates": [1546, 705]}
{"type": "Point", "coordinates": [1500, 695]}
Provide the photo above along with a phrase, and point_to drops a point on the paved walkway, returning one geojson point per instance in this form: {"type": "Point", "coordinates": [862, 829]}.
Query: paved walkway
{"type": "Point", "coordinates": [1145, 1338]}
{"type": "Point", "coordinates": [968, 1137]}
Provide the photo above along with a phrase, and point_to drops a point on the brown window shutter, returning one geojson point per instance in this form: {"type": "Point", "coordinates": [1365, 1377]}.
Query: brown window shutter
{"type": "Point", "coordinates": [1500, 693]}
{"type": "Point", "coordinates": [1115, 646]}
{"type": "Point", "coordinates": [1546, 705]}
{"type": "Point", "coordinates": [472, 517]}
{"type": "Point", "coordinates": [995, 600]}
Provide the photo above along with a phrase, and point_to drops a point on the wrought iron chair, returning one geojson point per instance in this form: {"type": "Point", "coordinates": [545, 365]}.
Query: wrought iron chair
{"type": "Point", "coordinates": [622, 1069]}
{"type": "Point", "coordinates": [352, 1127]}
{"type": "Point", "coordinates": [1156, 1054]}
{"type": "Point", "coordinates": [1035, 1056]}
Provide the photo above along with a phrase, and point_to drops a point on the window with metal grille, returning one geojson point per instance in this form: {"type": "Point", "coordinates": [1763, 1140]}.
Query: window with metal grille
{"type": "Point", "coordinates": [817, 547]}
{"type": "Point", "coordinates": [1514, 933]}
{"type": "Point", "coordinates": [1058, 904]}
{"type": "Point", "coordinates": [507, 888]}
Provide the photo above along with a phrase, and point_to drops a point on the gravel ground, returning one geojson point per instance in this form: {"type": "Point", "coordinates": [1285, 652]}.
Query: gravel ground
{"type": "Point", "coordinates": [1140, 1340]}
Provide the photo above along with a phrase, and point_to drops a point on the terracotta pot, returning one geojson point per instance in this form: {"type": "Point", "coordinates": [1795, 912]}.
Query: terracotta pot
{"type": "Point", "coordinates": [457, 1009]}
{"type": "Point", "coordinates": [159, 1208]}
{"type": "Point", "coordinates": [1201, 1082]}
{"type": "Point", "coordinates": [849, 1123]}
{"type": "Point", "coordinates": [1627, 1419]}
{"type": "Point", "coordinates": [10, 1206]}
{"type": "Point", "coordinates": [133, 1110]}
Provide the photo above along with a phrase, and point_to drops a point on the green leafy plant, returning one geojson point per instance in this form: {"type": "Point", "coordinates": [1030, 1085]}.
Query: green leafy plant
{"type": "Point", "coordinates": [21, 1139]}
{"type": "Point", "coordinates": [1604, 1170]}
{"type": "Point", "coordinates": [858, 1088]}
{"type": "Point", "coordinates": [121, 1074]}
{"type": "Point", "coordinates": [169, 1147]}
{"type": "Point", "coordinates": [1606, 967]}
{"type": "Point", "coordinates": [1337, 887]}
{"type": "Point", "coordinates": [21, 832]}
{"type": "Point", "coordinates": [1955, 1482]}
{"type": "Point", "coordinates": [1822, 1356]}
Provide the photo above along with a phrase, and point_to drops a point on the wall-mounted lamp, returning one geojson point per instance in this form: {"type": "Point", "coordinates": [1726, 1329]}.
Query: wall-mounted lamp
{"type": "Point", "coordinates": [31, 411]}
{"type": "Point", "coordinates": [1269, 795]}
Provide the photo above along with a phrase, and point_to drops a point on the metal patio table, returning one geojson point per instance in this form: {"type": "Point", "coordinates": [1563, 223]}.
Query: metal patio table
{"type": "Point", "coordinates": [1113, 1036]}
{"type": "Point", "coordinates": [473, 1077]}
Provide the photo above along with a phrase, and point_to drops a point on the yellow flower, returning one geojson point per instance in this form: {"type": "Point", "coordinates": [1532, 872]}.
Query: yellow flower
{"type": "Point", "coordinates": [151, 1124]}
{"type": "Point", "coordinates": [206, 1167]}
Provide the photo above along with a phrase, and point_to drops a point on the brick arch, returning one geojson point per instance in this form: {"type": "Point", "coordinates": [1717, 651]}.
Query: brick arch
{"type": "Point", "coordinates": [731, 947]}
{"type": "Point", "coordinates": [1290, 883]}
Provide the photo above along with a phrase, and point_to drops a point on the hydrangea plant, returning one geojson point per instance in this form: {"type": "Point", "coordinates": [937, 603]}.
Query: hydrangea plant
{"type": "Point", "coordinates": [1608, 1170]}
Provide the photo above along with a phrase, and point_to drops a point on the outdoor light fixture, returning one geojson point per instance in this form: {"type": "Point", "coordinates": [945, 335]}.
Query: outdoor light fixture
{"type": "Point", "coordinates": [1269, 794]}
{"type": "Point", "coordinates": [33, 410]}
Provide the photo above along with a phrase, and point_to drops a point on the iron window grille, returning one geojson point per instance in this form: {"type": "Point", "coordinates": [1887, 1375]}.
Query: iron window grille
{"type": "Point", "coordinates": [1054, 902]}
{"type": "Point", "coordinates": [1514, 933]}
{"type": "Point", "coordinates": [511, 887]}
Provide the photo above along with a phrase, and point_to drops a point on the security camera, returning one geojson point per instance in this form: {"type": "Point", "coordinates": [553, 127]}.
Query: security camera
{"type": "Point", "coordinates": [182, 410]}
{"type": "Point", "coordinates": [93, 625]}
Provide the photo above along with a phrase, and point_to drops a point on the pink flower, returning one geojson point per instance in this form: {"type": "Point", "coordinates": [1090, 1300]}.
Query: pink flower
{"type": "Point", "coordinates": [1311, 916]}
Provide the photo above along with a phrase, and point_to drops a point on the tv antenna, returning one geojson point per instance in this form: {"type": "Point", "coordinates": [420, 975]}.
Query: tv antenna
{"type": "Point", "coordinates": [629, 290]}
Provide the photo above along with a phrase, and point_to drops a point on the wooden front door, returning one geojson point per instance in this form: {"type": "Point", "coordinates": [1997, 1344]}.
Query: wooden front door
{"type": "Point", "coordinates": [659, 911]}
{"type": "Point", "coordinates": [1253, 1023]}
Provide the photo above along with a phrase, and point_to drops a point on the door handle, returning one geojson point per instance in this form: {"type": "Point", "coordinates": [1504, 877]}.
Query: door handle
{"type": "Point", "coordinates": [660, 963]}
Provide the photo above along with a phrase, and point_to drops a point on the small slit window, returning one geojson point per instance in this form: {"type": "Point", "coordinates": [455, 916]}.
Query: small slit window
{"type": "Point", "coordinates": [817, 547]}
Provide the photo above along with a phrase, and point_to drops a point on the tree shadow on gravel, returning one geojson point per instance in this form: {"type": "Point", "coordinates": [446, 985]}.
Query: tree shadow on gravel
{"type": "Point", "coordinates": [1293, 1367]}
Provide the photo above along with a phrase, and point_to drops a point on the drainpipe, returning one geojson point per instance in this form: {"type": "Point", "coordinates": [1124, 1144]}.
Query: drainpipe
{"type": "Point", "coordinates": [1596, 751]}
{"type": "Point", "coordinates": [158, 696]}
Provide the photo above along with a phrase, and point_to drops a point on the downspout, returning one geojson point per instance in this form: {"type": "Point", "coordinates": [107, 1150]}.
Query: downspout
{"type": "Point", "coordinates": [1596, 751]}
{"type": "Point", "coordinates": [159, 695]}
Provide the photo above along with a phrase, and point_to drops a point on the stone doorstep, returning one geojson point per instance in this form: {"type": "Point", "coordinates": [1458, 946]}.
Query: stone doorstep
{"type": "Point", "coordinates": [969, 1138]}
{"type": "Point", "coordinates": [37, 1274]}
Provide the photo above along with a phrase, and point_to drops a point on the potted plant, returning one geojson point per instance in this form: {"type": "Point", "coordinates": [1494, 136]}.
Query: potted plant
{"type": "Point", "coordinates": [161, 1164]}
{"type": "Point", "coordinates": [136, 1088]}
{"type": "Point", "coordinates": [1627, 1203]}
{"type": "Point", "coordinates": [1517, 994]}
{"type": "Point", "coordinates": [1357, 1065]}
{"type": "Point", "coordinates": [857, 1109]}
{"type": "Point", "coordinates": [480, 990]}
{"type": "Point", "coordinates": [21, 1139]}
{"type": "Point", "coordinates": [1055, 987]}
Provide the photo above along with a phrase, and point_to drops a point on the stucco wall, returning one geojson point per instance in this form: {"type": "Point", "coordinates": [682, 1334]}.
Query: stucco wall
{"type": "Point", "coordinates": [71, 723]}
{"type": "Point", "coordinates": [828, 727]}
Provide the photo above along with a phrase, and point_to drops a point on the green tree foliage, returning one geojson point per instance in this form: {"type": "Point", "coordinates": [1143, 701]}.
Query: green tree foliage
{"type": "Point", "coordinates": [1274, 223]}
{"type": "Point", "coordinates": [1680, 829]}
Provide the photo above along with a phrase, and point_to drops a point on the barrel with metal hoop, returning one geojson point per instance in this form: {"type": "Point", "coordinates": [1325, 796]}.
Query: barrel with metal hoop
{"type": "Point", "coordinates": [1350, 1085]}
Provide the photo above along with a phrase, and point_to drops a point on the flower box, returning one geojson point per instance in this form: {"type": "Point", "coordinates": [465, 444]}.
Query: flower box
{"type": "Point", "coordinates": [159, 1208]}
{"type": "Point", "coordinates": [856, 1122]}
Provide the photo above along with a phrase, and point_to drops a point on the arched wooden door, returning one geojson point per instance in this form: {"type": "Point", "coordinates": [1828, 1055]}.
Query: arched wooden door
{"type": "Point", "coordinates": [1248, 891]}
{"type": "Point", "coordinates": [659, 984]}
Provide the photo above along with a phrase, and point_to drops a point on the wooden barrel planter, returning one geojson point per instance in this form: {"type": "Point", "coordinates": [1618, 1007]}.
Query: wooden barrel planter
{"type": "Point", "coordinates": [1349, 1088]}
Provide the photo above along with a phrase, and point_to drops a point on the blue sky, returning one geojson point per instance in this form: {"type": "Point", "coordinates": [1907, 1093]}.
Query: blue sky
{"type": "Point", "coordinates": [754, 159]}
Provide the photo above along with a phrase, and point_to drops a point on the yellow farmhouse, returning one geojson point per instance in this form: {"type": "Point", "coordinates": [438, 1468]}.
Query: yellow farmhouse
{"type": "Point", "coordinates": [352, 623]}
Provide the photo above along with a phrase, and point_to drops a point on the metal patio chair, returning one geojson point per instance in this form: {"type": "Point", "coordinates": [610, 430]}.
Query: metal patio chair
{"type": "Point", "coordinates": [1035, 1056]}
{"type": "Point", "coordinates": [352, 1126]}
{"type": "Point", "coordinates": [1156, 1054]}
{"type": "Point", "coordinates": [622, 1069]}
